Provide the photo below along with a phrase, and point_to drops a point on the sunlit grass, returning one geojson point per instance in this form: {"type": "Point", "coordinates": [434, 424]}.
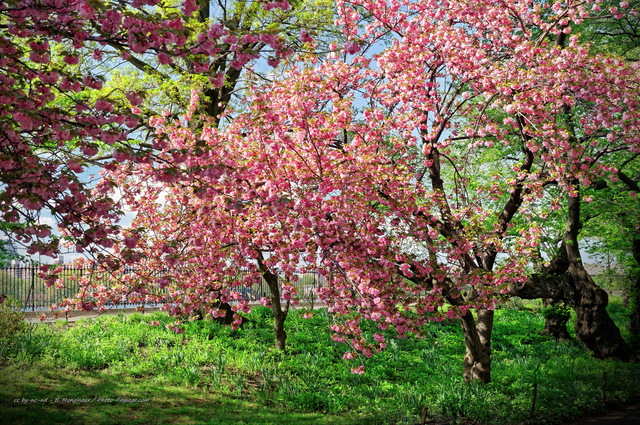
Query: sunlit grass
{"type": "Point", "coordinates": [213, 374]}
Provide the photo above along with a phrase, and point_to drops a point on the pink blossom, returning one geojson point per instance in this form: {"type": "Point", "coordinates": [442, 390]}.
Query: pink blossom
{"type": "Point", "coordinates": [305, 37]}
{"type": "Point", "coordinates": [103, 105]}
{"type": "Point", "coordinates": [217, 80]}
{"type": "Point", "coordinates": [358, 370]}
{"type": "Point", "coordinates": [265, 301]}
{"type": "Point", "coordinates": [130, 242]}
{"type": "Point", "coordinates": [189, 7]}
{"type": "Point", "coordinates": [351, 47]}
{"type": "Point", "coordinates": [164, 58]}
{"type": "Point", "coordinates": [273, 62]}
{"type": "Point", "coordinates": [134, 99]}
{"type": "Point", "coordinates": [71, 59]}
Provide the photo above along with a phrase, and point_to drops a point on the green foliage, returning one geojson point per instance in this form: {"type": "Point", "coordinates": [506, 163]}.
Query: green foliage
{"type": "Point", "coordinates": [312, 376]}
{"type": "Point", "coordinates": [614, 36]}
{"type": "Point", "coordinates": [557, 311]}
{"type": "Point", "coordinates": [12, 324]}
{"type": "Point", "coordinates": [7, 253]}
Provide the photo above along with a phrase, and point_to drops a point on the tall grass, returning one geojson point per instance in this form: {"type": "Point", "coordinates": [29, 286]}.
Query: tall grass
{"type": "Point", "coordinates": [535, 380]}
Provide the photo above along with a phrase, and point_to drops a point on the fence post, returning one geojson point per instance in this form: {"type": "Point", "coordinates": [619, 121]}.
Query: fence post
{"type": "Point", "coordinates": [32, 289]}
{"type": "Point", "coordinates": [312, 293]}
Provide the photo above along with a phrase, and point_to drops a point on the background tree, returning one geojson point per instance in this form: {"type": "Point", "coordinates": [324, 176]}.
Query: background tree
{"type": "Point", "coordinates": [616, 31]}
{"type": "Point", "coordinates": [104, 70]}
{"type": "Point", "coordinates": [565, 279]}
{"type": "Point", "coordinates": [619, 34]}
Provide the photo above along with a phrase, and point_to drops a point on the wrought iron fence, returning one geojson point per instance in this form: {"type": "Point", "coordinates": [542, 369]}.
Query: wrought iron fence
{"type": "Point", "coordinates": [23, 284]}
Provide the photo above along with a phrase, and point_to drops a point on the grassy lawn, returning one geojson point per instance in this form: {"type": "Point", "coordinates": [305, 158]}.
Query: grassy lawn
{"type": "Point", "coordinates": [33, 396]}
{"type": "Point", "coordinates": [132, 369]}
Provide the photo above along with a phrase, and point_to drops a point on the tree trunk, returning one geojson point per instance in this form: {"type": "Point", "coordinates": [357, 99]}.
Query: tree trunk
{"type": "Point", "coordinates": [634, 324]}
{"type": "Point", "coordinates": [278, 329]}
{"type": "Point", "coordinates": [593, 324]}
{"type": "Point", "coordinates": [279, 313]}
{"type": "Point", "coordinates": [566, 279]}
{"type": "Point", "coordinates": [477, 338]}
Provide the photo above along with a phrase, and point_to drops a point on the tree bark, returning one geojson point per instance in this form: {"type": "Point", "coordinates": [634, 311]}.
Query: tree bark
{"type": "Point", "coordinates": [634, 324]}
{"type": "Point", "coordinates": [279, 312]}
{"type": "Point", "coordinates": [477, 338]}
{"type": "Point", "coordinates": [593, 324]}
{"type": "Point", "coordinates": [566, 279]}
{"type": "Point", "coordinates": [278, 329]}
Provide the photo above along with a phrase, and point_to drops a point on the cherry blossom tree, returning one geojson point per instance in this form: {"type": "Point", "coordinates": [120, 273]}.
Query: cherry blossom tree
{"type": "Point", "coordinates": [103, 70]}
{"type": "Point", "coordinates": [406, 168]}
{"type": "Point", "coordinates": [62, 111]}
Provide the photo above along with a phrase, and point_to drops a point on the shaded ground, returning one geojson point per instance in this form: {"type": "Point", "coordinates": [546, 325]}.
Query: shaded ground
{"type": "Point", "coordinates": [72, 316]}
{"type": "Point", "coordinates": [629, 415]}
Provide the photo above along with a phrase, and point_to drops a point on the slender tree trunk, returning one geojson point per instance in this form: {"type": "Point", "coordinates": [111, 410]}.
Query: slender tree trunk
{"type": "Point", "coordinates": [634, 324]}
{"type": "Point", "coordinates": [477, 338]}
{"type": "Point", "coordinates": [279, 312]}
{"type": "Point", "coordinates": [593, 324]}
{"type": "Point", "coordinates": [278, 328]}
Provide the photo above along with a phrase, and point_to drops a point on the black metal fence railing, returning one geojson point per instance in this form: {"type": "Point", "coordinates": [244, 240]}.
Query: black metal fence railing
{"type": "Point", "coordinates": [23, 284]}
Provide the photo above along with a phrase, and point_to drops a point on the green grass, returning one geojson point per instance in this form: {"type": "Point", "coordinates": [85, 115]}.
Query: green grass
{"type": "Point", "coordinates": [213, 374]}
{"type": "Point", "coordinates": [52, 397]}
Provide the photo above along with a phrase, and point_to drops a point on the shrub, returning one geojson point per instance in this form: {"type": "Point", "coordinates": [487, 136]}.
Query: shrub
{"type": "Point", "coordinates": [12, 324]}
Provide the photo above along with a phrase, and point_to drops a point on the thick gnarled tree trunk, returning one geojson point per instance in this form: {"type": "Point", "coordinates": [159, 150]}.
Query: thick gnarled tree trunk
{"type": "Point", "coordinates": [593, 324]}
{"type": "Point", "coordinates": [477, 338]}
{"type": "Point", "coordinates": [566, 279]}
